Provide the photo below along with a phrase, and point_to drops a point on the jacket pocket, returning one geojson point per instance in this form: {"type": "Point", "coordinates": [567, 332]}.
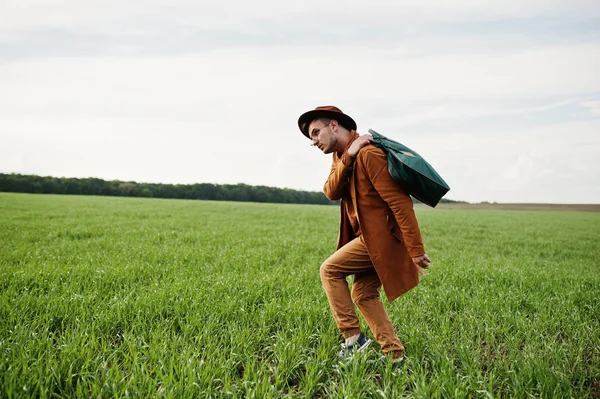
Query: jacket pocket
{"type": "Point", "coordinates": [393, 227]}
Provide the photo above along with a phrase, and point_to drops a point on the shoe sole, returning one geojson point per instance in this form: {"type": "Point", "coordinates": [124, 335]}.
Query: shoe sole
{"type": "Point", "coordinates": [365, 345]}
{"type": "Point", "coordinates": [397, 360]}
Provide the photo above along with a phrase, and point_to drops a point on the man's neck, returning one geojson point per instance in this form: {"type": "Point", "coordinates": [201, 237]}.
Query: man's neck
{"type": "Point", "coordinates": [344, 139]}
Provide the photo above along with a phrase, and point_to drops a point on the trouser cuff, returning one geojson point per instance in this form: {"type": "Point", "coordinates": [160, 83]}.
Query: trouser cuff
{"type": "Point", "coordinates": [351, 333]}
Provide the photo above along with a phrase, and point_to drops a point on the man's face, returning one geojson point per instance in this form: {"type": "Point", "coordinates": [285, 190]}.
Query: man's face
{"type": "Point", "coordinates": [323, 135]}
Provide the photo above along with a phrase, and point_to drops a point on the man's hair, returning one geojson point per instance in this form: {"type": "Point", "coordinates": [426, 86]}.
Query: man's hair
{"type": "Point", "coordinates": [325, 121]}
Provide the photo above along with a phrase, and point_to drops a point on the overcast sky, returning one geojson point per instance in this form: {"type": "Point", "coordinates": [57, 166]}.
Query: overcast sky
{"type": "Point", "coordinates": [501, 97]}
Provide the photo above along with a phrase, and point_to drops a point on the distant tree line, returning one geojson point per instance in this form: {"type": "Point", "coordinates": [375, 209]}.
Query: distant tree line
{"type": "Point", "coordinates": [204, 191]}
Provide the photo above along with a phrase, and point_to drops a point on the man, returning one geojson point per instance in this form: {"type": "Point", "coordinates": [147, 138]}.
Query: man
{"type": "Point", "coordinates": [379, 242]}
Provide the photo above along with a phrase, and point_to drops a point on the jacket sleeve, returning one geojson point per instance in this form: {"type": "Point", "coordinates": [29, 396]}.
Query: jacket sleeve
{"type": "Point", "coordinates": [341, 168]}
{"type": "Point", "coordinates": [398, 200]}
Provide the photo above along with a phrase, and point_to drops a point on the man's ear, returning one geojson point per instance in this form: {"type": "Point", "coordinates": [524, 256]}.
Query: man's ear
{"type": "Point", "coordinates": [333, 124]}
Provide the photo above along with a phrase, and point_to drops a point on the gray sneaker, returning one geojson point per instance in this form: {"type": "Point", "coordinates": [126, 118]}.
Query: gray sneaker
{"type": "Point", "coordinates": [394, 357]}
{"type": "Point", "coordinates": [360, 345]}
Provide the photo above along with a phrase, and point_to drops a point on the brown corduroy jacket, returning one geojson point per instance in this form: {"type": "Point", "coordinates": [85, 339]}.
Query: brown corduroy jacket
{"type": "Point", "coordinates": [382, 211]}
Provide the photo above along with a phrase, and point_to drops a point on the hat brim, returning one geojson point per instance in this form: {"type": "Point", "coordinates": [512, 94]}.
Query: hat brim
{"type": "Point", "coordinates": [307, 117]}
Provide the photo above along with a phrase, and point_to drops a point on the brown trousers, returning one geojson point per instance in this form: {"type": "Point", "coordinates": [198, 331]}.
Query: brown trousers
{"type": "Point", "coordinates": [353, 258]}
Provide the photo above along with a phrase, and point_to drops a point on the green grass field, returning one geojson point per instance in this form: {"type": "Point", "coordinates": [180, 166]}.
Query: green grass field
{"type": "Point", "coordinates": [117, 297]}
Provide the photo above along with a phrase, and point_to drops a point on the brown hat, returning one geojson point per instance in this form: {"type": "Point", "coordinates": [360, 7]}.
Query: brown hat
{"type": "Point", "coordinates": [325, 111]}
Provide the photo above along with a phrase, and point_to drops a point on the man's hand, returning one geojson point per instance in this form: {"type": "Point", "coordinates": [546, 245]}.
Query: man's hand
{"type": "Point", "coordinates": [359, 143]}
{"type": "Point", "coordinates": [421, 262]}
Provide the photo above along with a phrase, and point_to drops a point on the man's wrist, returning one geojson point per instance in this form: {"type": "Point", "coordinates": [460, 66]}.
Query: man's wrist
{"type": "Point", "coordinates": [416, 252]}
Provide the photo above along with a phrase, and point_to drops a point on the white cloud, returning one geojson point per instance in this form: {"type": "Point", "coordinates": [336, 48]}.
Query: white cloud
{"type": "Point", "coordinates": [452, 110]}
{"type": "Point", "coordinates": [593, 106]}
{"type": "Point", "coordinates": [139, 16]}
{"type": "Point", "coordinates": [232, 77]}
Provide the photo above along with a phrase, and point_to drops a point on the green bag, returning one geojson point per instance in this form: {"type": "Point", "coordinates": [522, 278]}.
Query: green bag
{"type": "Point", "coordinates": [411, 171]}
